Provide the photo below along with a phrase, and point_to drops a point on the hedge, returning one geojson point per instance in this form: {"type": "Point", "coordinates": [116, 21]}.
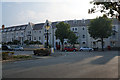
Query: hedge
{"type": "Point", "coordinates": [42, 52]}
{"type": "Point", "coordinates": [7, 55]}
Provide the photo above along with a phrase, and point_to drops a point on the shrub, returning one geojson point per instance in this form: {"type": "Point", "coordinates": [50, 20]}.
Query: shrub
{"type": "Point", "coordinates": [21, 56]}
{"type": "Point", "coordinates": [115, 48]}
{"type": "Point", "coordinates": [16, 42]}
{"type": "Point", "coordinates": [26, 42]}
{"type": "Point", "coordinates": [7, 55]}
{"type": "Point", "coordinates": [42, 52]}
{"type": "Point", "coordinates": [31, 42]}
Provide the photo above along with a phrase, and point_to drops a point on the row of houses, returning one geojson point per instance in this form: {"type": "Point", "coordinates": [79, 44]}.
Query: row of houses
{"type": "Point", "coordinates": [37, 32]}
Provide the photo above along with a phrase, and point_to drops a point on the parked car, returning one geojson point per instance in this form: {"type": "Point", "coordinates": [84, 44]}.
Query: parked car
{"type": "Point", "coordinates": [5, 47]}
{"type": "Point", "coordinates": [18, 48]}
{"type": "Point", "coordinates": [86, 49]}
{"type": "Point", "coordinates": [70, 49]}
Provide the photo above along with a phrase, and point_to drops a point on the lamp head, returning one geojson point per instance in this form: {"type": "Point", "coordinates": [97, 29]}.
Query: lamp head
{"type": "Point", "coordinates": [47, 26]}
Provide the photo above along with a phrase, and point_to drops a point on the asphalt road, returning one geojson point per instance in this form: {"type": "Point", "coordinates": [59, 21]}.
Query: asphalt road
{"type": "Point", "coordinates": [69, 65]}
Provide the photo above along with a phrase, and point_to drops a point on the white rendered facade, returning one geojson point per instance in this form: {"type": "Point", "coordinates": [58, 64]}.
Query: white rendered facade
{"type": "Point", "coordinates": [36, 32]}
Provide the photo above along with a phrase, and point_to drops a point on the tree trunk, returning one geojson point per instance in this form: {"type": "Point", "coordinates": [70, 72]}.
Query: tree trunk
{"type": "Point", "coordinates": [102, 44]}
{"type": "Point", "coordinates": [62, 46]}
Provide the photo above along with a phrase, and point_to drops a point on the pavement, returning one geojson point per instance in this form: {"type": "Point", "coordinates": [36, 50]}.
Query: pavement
{"type": "Point", "coordinates": [66, 65]}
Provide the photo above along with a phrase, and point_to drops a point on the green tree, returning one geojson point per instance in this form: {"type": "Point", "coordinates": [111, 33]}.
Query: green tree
{"type": "Point", "coordinates": [100, 28]}
{"type": "Point", "coordinates": [62, 31]}
{"type": "Point", "coordinates": [27, 42]}
{"type": "Point", "coordinates": [72, 38]}
{"type": "Point", "coordinates": [109, 8]}
{"type": "Point", "coordinates": [31, 42]}
{"type": "Point", "coordinates": [16, 42]}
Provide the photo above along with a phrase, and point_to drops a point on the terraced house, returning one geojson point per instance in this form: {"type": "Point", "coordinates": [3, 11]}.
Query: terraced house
{"type": "Point", "coordinates": [37, 32]}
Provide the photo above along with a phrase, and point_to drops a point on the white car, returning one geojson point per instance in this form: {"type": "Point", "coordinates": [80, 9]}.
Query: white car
{"type": "Point", "coordinates": [18, 48]}
{"type": "Point", "coordinates": [86, 49]}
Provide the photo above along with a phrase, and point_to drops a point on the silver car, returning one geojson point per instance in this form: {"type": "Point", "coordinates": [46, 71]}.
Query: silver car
{"type": "Point", "coordinates": [18, 48]}
{"type": "Point", "coordinates": [86, 49]}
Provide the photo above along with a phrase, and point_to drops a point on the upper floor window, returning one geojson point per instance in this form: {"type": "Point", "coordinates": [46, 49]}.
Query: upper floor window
{"type": "Point", "coordinates": [73, 29]}
{"type": "Point", "coordinates": [22, 33]}
{"type": "Point", "coordinates": [17, 34]}
{"type": "Point", "coordinates": [83, 28]}
{"type": "Point", "coordinates": [39, 38]}
{"type": "Point", "coordinates": [114, 27]}
{"type": "Point", "coordinates": [45, 37]}
{"type": "Point", "coordinates": [83, 36]}
{"type": "Point", "coordinates": [76, 29]}
{"type": "Point", "coordinates": [29, 32]}
{"type": "Point", "coordinates": [83, 42]}
{"type": "Point", "coordinates": [34, 38]}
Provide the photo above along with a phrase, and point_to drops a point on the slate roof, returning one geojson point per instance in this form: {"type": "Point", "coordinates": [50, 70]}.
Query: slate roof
{"type": "Point", "coordinates": [38, 26]}
{"type": "Point", "coordinates": [15, 28]}
{"type": "Point", "coordinates": [73, 23]}
{"type": "Point", "coordinates": [54, 24]}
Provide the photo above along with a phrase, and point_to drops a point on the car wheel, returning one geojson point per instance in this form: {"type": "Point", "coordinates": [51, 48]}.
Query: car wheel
{"type": "Point", "coordinates": [74, 50]}
{"type": "Point", "coordinates": [81, 50]}
{"type": "Point", "coordinates": [90, 50]}
{"type": "Point", "coordinates": [65, 50]}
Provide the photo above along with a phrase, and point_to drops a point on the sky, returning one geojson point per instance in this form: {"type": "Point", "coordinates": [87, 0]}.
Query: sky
{"type": "Point", "coordinates": [18, 12]}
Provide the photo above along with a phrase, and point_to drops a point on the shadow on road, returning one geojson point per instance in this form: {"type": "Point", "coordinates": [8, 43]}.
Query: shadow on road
{"type": "Point", "coordinates": [103, 60]}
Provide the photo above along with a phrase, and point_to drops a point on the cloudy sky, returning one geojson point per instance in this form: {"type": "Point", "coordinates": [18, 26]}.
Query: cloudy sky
{"type": "Point", "coordinates": [17, 12]}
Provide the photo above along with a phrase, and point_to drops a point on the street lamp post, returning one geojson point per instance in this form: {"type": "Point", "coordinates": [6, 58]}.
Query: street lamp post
{"type": "Point", "coordinates": [47, 28]}
{"type": "Point", "coordinates": [47, 38]}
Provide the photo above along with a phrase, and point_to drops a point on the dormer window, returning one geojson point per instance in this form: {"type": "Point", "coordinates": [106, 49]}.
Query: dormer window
{"type": "Point", "coordinates": [18, 28]}
{"type": "Point", "coordinates": [9, 29]}
{"type": "Point", "coordinates": [83, 21]}
{"type": "Point", "coordinates": [75, 21]}
{"type": "Point", "coordinates": [5, 29]}
{"type": "Point", "coordinates": [13, 29]}
{"type": "Point", "coordinates": [23, 27]}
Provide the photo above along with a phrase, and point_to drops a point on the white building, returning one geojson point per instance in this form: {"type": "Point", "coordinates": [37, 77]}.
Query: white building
{"type": "Point", "coordinates": [36, 32]}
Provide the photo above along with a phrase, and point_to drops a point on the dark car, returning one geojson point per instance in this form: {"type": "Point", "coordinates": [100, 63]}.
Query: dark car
{"type": "Point", "coordinates": [5, 47]}
{"type": "Point", "coordinates": [70, 49]}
